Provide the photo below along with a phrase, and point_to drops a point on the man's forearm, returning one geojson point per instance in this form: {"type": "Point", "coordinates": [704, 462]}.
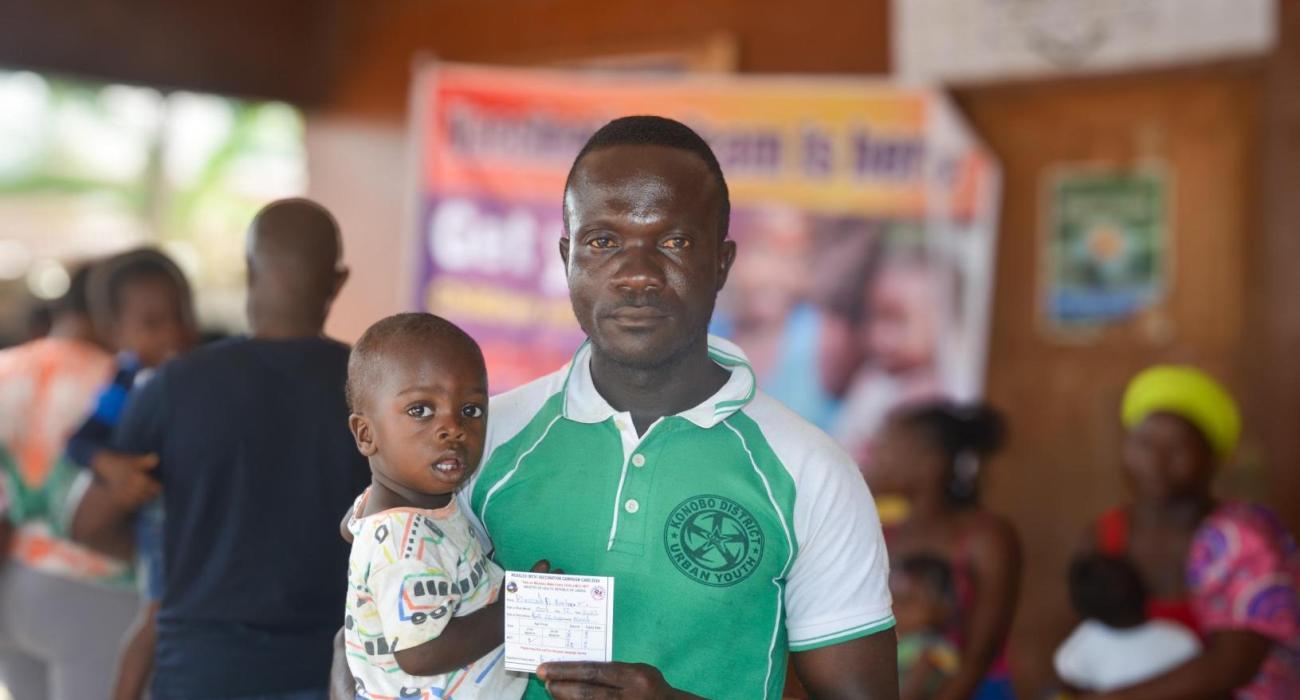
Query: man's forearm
{"type": "Point", "coordinates": [102, 525]}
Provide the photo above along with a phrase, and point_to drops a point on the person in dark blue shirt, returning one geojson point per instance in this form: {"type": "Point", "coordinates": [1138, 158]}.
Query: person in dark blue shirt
{"type": "Point", "coordinates": [255, 461]}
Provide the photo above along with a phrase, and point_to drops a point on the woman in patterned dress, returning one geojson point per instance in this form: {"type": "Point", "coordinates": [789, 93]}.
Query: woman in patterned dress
{"type": "Point", "coordinates": [1228, 569]}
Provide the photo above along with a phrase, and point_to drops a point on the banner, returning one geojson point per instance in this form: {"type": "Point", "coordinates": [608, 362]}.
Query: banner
{"type": "Point", "coordinates": [864, 214]}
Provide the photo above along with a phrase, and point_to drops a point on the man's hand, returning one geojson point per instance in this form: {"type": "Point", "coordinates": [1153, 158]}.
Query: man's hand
{"type": "Point", "coordinates": [127, 477]}
{"type": "Point", "coordinates": [584, 680]}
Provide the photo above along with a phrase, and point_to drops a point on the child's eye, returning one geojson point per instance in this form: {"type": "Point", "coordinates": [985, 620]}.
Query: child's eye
{"type": "Point", "coordinates": [472, 411]}
{"type": "Point", "coordinates": [420, 411]}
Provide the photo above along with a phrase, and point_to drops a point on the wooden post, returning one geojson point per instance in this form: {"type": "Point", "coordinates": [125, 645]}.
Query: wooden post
{"type": "Point", "coordinates": [1273, 331]}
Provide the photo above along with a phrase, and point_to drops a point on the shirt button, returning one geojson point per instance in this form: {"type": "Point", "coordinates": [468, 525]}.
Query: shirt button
{"type": "Point", "coordinates": [631, 506]}
{"type": "Point", "coordinates": [638, 460]}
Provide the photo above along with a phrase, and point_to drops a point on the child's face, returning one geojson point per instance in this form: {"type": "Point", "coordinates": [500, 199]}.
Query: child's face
{"type": "Point", "coordinates": [901, 333]}
{"type": "Point", "coordinates": [151, 321]}
{"type": "Point", "coordinates": [916, 607]}
{"type": "Point", "coordinates": [424, 423]}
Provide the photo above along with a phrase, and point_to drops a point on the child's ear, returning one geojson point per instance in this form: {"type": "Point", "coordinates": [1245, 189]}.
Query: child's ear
{"type": "Point", "coordinates": [363, 434]}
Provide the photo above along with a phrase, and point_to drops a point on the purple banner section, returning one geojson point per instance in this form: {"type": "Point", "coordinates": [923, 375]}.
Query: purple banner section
{"type": "Point", "coordinates": [494, 268]}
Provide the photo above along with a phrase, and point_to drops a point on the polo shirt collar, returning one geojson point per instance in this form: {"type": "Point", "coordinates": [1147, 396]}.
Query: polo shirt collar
{"type": "Point", "coordinates": [582, 403]}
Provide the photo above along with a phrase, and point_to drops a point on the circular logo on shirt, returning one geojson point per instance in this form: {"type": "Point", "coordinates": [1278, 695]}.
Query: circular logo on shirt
{"type": "Point", "coordinates": [713, 540]}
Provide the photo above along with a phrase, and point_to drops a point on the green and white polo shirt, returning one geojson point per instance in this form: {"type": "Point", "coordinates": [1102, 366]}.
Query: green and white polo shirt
{"type": "Point", "coordinates": [735, 531]}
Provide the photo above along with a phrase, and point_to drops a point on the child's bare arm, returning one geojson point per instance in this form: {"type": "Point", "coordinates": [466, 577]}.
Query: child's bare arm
{"type": "Point", "coordinates": [356, 510]}
{"type": "Point", "coordinates": [343, 526]}
{"type": "Point", "coordinates": [463, 641]}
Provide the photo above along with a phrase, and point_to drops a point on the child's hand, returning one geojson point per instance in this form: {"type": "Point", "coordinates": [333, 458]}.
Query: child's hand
{"type": "Point", "coordinates": [543, 566]}
{"type": "Point", "coordinates": [127, 477]}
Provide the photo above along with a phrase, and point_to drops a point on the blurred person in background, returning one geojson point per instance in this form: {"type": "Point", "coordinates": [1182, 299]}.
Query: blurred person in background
{"type": "Point", "coordinates": [1229, 570]}
{"type": "Point", "coordinates": [143, 305]}
{"type": "Point", "coordinates": [256, 462]}
{"type": "Point", "coordinates": [930, 455]}
{"type": "Point", "coordinates": [63, 608]}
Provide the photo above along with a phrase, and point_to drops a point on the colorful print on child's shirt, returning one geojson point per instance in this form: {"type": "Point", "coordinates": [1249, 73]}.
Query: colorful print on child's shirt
{"type": "Point", "coordinates": [411, 571]}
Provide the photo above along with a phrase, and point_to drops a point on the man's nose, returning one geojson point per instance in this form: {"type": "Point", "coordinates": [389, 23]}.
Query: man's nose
{"type": "Point", "coordinates": [639, 270]}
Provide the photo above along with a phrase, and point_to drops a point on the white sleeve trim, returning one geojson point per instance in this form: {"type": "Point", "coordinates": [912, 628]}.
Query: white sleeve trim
{"type": "Point", "coordinates": [838, 586]}
{"type": "Point", "coordinates": [859, 624]}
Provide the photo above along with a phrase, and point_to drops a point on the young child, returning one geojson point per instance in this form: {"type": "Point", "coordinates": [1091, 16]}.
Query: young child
{"type": "Point", "coordinates": [1116, 645]}
{"type": "Point", "coordinates": [420, 619]}
{"type": "Point", "coordinates": [923, 592]}
{"type": "Point", "coordinates": [144, 309]}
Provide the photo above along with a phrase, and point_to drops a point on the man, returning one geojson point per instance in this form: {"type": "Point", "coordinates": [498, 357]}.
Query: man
{"type": "Point", "coordinates": [735, 531]}
{"type": "Point", "coordinates": [256, 462]}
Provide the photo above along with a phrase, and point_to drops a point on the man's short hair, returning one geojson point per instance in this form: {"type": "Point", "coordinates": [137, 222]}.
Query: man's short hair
{"type": "Point", "coordinates": [645, 130]}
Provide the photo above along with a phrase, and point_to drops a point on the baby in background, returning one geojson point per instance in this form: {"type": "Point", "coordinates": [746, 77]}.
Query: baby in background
{"type": "Point", "coordinates": [422, 617]}
{"type": "Point", "coordinates": [923, 592]}
{"type": "Point", "coordinates": [1116, 645]}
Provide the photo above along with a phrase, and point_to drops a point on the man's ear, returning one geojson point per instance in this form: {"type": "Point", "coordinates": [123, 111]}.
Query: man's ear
{"type": "Point", "coordinates": [340, 278]}
{"type": "Point", "coordinates": [726, 257]}
{"type": "Point", "coordinates": [363, 434]}
{"type": "Point", "coordinates": [565, 244]}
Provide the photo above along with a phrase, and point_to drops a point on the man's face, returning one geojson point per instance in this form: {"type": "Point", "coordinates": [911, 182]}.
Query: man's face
{"type": "Point", "coordinates": [644, 254]}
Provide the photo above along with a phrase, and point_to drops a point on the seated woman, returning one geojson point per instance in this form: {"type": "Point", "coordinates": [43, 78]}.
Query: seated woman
{"type": "Point", "coordinates": [930, 455]}
{"type": "Point", "coordinates": [1228, 569]}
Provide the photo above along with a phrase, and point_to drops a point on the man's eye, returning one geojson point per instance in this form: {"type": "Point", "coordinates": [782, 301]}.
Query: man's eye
{"type": "Point", "coordinates": [420, 411]}
{"type": "Point", "coordinates": [678, 242]}
{"type": "Point", "coordinates": [601, 242]}
{"type": "Point", "coordinates": [472, 411]}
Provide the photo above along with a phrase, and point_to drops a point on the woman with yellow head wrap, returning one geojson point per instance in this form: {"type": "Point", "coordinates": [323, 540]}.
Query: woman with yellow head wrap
{"type": "Point", "coordinates": [1228, 570]}
{"type": "Point", "coordinates": [1189, 394]}
{"type": "Point", "coordinates": [1181, 425]}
